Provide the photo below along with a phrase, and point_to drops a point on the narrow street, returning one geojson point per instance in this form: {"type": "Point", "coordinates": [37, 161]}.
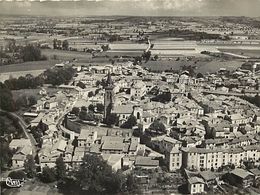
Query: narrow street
{"type": "Point", "coordinates": [25, 130]}
{"type": "Point", "coordinates": [27, 134]}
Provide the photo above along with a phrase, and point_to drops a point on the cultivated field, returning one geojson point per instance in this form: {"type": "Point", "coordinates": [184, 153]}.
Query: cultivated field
{"type": "Point", "coordinates": [28, 66]}
{"type": "Point", "coordinates": [65, 55]}
{"type": "Point", "coordinates": [128, 46]}
{"type": "Point", "coordinates": [32, 92]}
{"type": "Point", "coordinates": [246, 52]}
{"type": "Point", "coordinates": [201, 66]}
{"type": "Point", "coordinates": [6, 75]}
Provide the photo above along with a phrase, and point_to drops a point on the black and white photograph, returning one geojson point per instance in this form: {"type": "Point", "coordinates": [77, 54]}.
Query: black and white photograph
{"type": "Point", "coordinates": [129, 97]}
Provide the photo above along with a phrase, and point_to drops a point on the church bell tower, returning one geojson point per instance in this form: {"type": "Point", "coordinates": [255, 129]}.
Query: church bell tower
{"type": "Point", "coordinates": [108, 97]}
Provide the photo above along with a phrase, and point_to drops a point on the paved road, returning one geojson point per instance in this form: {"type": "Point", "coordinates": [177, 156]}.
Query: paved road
{"type": "Point", "coordinates": [28, 135]}
{"type": "Point", "coordinates": [25, 130]}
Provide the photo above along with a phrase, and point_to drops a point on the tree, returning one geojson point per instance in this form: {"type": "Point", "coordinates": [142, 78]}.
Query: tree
{"type": "Point", "coordinates": [59, 44]}
{"type": "Point", "coordinates": [31, 53]}
{"type": "Point", "coordinates": [158, 126]}
{"type": "Point", "coordinates": [75, 110]}
{"type": "Point", "coordinates": [90, 94]}
{"type": "Point", "coordinates": [65, 45]}
{"type": "Point", "coordinates": [156, 57]}
{"type": "Point", "coordinates": [82, 115]}
{"type": "Point", "coordinates": [59, 76]}
{"type": "Point", "coordinates": [98, 82]}
{"type": "Point", "coordinates": [130, 123]}
{"type": "Point", "coordinates": [146, 55]}
{"type": "Point", "coordinates": [32, 100]}
{"type": "Point", "coordinates": [37, 134]}
{"type": "Point", "coordinates": [6, 154]}
{"type": "Point", "coordinates": [90, 116]}
{"type": "Point", "coordinates": [6, 98]}
{"type": "Point", "coordinates": [131, 183]}
{"type": "Point", "coordinates": [105, 47]}
{"type": "Point", "coordinates": [17, 175]}
{"type": "Point", "coordinates": [137, 60]}
{"type": "Point", "coordinates": [91, 108]}
{"type": "Point", "coordinates": [55, 44]}
{"type": "Point", "coordinates": [48, 175]}
{"type": "Point", "coordinates": [11, 45]}
{"type": "Point", "coordinates": [200, 75]}
{"type": "Point", "coordinates": [100, 107]}
{"type": "Point", "coordinates": [81, 85]}
{"type": "Point", "coordinates": [84, 108]}
{"type": "Point", "coordinates": [21, 102]}
{"type": "Point", "coordinates": [97, 91]}
{"type": "Point", "coordinates": [29, 166]}
{"type": "Point", "coordinates": [112, 119]}
{"type": "Point", "coordinates": [60, 168]}
{"type": "Point", "coordinates": [164, 97]}
{"type": "Point", "coordinates": [96, 176]}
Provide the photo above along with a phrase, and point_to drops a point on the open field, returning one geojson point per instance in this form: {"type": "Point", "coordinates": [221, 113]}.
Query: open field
{"type": "Point", "coordinates": [65, 55]}
{"type": "Point", "coordinates": [6, 75]}
{"type": "Point", "coordinates": [246, 52]}
{"type": "Point", "coordinates": [172, 46]}
{"type": "Point", "coordinates": [21, 69]}
{"type": "Point", "coordinates": [202, 66]}
{"type": "Point", "coordinates": [127, 46]}
{"type": "Point", "coordinates": [32, 92]}
{"type": "Point", "coordinates": [28, 66]}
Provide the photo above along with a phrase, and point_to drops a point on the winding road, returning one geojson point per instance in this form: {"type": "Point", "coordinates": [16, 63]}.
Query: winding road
{"type": "Point", "coordinates": [25, 130]}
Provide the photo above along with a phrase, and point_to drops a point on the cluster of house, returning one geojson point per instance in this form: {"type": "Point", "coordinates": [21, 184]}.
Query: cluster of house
{"type": "Point", "coordinates": [200, 182]}
{"type": "Point", "coordinates": [117, 146]}
{"type": "Point", "coordinates": [229, 123]}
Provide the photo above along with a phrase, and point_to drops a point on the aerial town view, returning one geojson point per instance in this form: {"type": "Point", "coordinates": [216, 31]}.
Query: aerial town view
{"type": "Point", "coordinates": [129, 97]}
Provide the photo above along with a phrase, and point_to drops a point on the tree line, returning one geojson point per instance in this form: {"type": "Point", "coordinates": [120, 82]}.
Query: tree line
{"type": "Point", "coordinates": [62, 45]}
{"type": "Point", "coordinates": [54, 77]}
{"type": "Point", "coordinates": [94, 176]}
{"type": "Point", "coordinates": [17, 54]}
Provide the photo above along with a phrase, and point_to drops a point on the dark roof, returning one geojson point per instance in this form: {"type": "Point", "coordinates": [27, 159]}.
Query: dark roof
{"type": "Point", "coordinates": [194, 180]}
{"type": "Point", "coordinates": [241, 173]}
{"type": "Point", "coordinates": [256, 171]}
{"type": "Point", "coordinates": [208, 175]}
{"type": "Point", "coordinates": [146, 161]}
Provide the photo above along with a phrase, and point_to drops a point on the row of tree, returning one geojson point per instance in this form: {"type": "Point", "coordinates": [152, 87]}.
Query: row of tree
{"type": "Point", "coordinates": [16, 53]}
{"type": "Point", "coordinates": [58, 44]}
{"type": "Point", "coordinates": [58, 76]}
{"type": "Point", "coordinates": [94, 176]}
{"type": "Point", "coordinates": [24, 82]}
{"type": "Point", "coordinates": [53, 76]}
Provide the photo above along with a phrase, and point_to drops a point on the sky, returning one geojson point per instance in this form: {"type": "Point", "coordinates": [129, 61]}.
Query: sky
{"type": "Point", "coordinates": [131, 7]}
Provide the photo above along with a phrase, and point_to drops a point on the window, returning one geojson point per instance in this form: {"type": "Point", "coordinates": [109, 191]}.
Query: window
{"type": "Point", "coordinates": [138, 115]}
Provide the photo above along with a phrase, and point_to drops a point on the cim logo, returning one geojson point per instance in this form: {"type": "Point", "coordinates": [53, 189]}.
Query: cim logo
{"type": "Point", "coordinates": [13, 183]}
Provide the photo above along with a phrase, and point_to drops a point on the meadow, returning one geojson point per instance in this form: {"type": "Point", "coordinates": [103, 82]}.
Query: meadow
{"type": "Point", "coordinates": [28, 66]}
{"type": "Point", "coordinates": [254, 53]}
{"type": "Point", "coordinates": [65, 55]}
{"type": "Point", "coordinates": [202, 66]}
